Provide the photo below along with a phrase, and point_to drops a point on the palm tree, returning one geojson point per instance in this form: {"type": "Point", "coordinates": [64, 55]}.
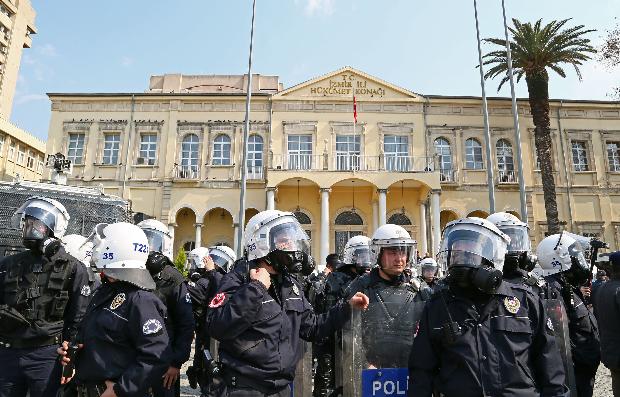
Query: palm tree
{"type": "Point", "coordinates": [536, 48]}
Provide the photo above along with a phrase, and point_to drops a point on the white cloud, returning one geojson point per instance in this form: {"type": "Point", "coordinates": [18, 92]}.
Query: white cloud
{"type": "Point", "coordinates": [325, 7]}
{"type": "Point", "coordinates": [48, 50]}
{"type": "Point", "coordinates": [126, 61]}
{"type": "Point", "coordinates": [21, 99]}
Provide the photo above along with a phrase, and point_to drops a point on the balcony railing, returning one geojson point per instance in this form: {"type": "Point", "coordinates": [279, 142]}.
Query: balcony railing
{"type": "Point", "coordinates": [506, 176]}
{"type": "Point", "coordinates": [255, 172]}
{"type": "Point", "coordinates": [351, 162]}
{"type": "Point", "coordinates": [186, 172]}
{"type": "Point", "coordinates": [447, 176]}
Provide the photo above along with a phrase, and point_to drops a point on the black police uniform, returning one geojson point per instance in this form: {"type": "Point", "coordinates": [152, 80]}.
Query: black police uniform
{"type": "Point", "coordinates": [583, 331]}
{"type": "Point", "coordinates": [327, 291]}
{"type": "Point", "coordinates": [172, 290]}
{"type": "Point", "coordinates": [125, 341]}
{"type": "Point", "coordinates": [260, 330]}
{"type": "Point", "coordinates": [500, 346]}
{"type": "Point", "coordinates": [201, 291]}
{"type": "Point", "coordinates": [520, 276]}
{"type": "Point", "coordinates": [42, 300]}
{"type": "Point", "coordinates": [607, 311]}
{"type": "Point", "coordinates": [390, 321]}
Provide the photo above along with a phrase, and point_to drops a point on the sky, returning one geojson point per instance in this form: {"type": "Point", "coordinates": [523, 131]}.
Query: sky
{"type": "Point", "coordinates": [428, 47]}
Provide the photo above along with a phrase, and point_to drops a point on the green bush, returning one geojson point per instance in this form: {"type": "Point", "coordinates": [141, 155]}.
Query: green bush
{"type": "Point", "coordinates": [180, 260]}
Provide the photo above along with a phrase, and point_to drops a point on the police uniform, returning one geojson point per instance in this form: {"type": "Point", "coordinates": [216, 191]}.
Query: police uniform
{"type": "Point", "coordinates": [260, 330]}
{"type": "Point", "coordinates": [42, 300]}
{"type": "Point", "coordinates": [390, 321]}
{"type": "Point", "coordinates": [125, 341]}
{"type": "Point", "coordinates": [607, 311]}
{"type": "Point", "coordinates": [503, 346]}
{"type": "Point", "coordinates": [172, 290]}
{"type": "Point", "coordinates": [201, 292]}
{"type": "Point", "coordinates": [583, 331]}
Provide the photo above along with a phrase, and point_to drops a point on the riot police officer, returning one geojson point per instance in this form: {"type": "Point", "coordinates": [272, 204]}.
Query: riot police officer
{"type": "Point", "coordinates": [260, 312]}
{"type": "Point", "coordinates": [78, 247]}
{"type": "Point", "coordinates": [607, 311]}
{"type": "Point", "coordinates": [395, 306]}
{"type": "Point", "coordinates": [122, 343]}
{"type": "Point", "coordinates": [565, 268]}
{"type": "Point", "coordinates": [172, 290]}
{"type": "Point", "coordinates": [43, 296]}
{"type": "Point", "coordinates": [206, 268]}
{"type": "Point", "coordinates": [520, 260]}
{"type": "Point", "coordinates": [481, 336]}
{"type": "Point", "coordinates": [429, 272]}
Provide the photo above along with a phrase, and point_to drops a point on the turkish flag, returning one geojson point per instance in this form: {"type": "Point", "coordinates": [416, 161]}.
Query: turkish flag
{"type": "Point", "coordinates": [354, 109]}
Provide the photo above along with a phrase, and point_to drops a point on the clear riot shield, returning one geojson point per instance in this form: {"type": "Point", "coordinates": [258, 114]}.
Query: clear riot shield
{"type": "Point", "coordinates": [373, 353]}
{"type": "Point", "coordinates": [559, 319]}
{"type": "Point", "coordinates": [302, 385]}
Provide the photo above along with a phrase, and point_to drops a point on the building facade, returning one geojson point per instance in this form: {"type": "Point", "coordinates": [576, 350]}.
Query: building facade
{"type": "Point", "coordinates": [419, 161]}
{"type": "Point", "coordinates": [17, 26]}
{"type": "Point", "coordinates": [22, 155]}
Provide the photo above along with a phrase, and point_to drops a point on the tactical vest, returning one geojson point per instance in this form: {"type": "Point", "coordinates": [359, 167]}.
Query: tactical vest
{"type": "Point", "coordinates": [335, 285]}
{"type": "Point", "coordinates": [36, 288]}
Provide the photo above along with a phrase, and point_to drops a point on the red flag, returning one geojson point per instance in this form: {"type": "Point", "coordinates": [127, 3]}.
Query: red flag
{"type": "Point", "coordinates": [354, 109]}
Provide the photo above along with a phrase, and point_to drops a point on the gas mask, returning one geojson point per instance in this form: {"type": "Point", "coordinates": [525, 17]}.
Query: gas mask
{"type": "Point", "coordinates": [485, 279]}
{"type": "Point", "coordinates": [291, 262]}
{"type": "Point", "coordinates": [156, 262]}
{"type": "Point", "coordinates": [34, 234]}
{"type": "Point", "coordinates": [519, 260]}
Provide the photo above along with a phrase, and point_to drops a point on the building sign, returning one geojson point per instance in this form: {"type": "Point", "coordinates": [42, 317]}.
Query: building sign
{"type": "Point", "coordinates": [344, 84]}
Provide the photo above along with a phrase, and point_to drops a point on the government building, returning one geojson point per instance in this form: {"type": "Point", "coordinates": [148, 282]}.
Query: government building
{"type": "Point", "coordinates": [416, 160]}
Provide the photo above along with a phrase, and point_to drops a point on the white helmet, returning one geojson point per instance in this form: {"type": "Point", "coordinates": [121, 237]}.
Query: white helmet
{"type": "Point", "coordinates": [515, 229]}
{"type": "Point", "coordinates": [120, 251]}
{"type": "Point", "coordinates": [224, 257]}
{"type": "Point", "coordinates": [429, 268]}
{"type": "Point", "coordinates": [78, 247]}
{"type": "Point", "coordinates": [272, 230]}
{"type": "Point", "coordinates": [38, 213]}
{"type": "Point", "coordinates": [158, 235]}
{"type": "Point", "coordinates": [560, 252]}
{"type": "Point", "coordinates": [467, 241]}
{"type": "Point", "coordinates": [392, 236]}
{"type": "Point", "coordinates": [196, 259]}
{"type": "Point", "coordinates": [357, 252]}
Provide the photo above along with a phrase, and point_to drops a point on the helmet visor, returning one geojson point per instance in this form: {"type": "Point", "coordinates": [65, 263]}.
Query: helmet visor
{"type": "Point", "coordinates": [575, 250]}
{"type": "Point", "coordinates": [429, 270]}
{"type": "Point", "coordinates": [194, 262]}
{"type": "Point", "coordinates": [34, 229]}
{"type": "Point", "coordinates": [519, 238]}
{"type": "Point", "coordinates": [220, 260]}
{"type": "Point", "coordinates": [46, 217]}
{"type": "Point", "coordinates": [289, 237]}
{"type": "Point", "coordinates": [156, 240]}
{"type": "Point", "coordinates": [463, 246]}
{"type": "Point", "coordinates": [361, 257]}
{"type": "Point", "coordinates": [394, 252]}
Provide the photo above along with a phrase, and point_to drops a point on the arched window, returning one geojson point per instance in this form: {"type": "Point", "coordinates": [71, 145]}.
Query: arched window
{"type": "Point", "coordinates": [189, 152]}
{"type": "Point", "coordinates": [221, 150]}
{"type": "Point", "coordinates": [444, 152]}
{"type": "Point", "coordinates": [473, 154]}
{"type": "Point", "coordinates": [305, 221]}
{"type": "Point", "coordinates": [255, 157]}
{"type": "Point", "coordinates": [503, 151]}
{"type": "Point", "coordinates": [399, 219]}
{"type": "Point", "coordinates": [348, 224]}
{"type": "Point", "coordinates": [349, 218]}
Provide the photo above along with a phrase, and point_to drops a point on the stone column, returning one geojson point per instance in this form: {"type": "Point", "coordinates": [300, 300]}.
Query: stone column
{"type": "Point", "coordinates": [382, 206]}
{"type": "Point", "coordinates": [324, 246]}
{"type": "Point", "coordinates": [198, 234]}
{"type": "Point", "coordinates": [271, 198]}
{"type": "Point", "coordinates": [235, 233]}
{"type": "Point", "coordinates": [435, 218]}
{"type": "Point", "coordinates": [423, 241]}
{"type": "Point", "coordinates": [375, 216]}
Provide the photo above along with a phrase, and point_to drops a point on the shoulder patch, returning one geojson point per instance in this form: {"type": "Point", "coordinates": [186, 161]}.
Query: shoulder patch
{"type": "Point", "coordinates": [85, 290]}
{"type": "Point", "coordinates": [218, 300]}
{"type": "Point", "coordinates": [117, 301]}
{"type": "Point", "coordinates": [151, 326]}
{"type": "Point", "coordinates": [512, 304]}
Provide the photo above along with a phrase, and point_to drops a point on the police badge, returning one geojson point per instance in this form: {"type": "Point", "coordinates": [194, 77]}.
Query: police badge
{"type": "Point", "coordinates": [117, 301]}
{"type": "Point", "coordinates": [295, 289]}
{"type": "Point", "coordinates": [512, 304]}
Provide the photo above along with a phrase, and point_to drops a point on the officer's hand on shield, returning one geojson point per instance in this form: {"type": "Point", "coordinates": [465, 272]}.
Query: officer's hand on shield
{"type": "Point", "coordinates": [109, 391]}
{"type": "Point", "coordinates": [359, 301]}
{"type": "Point", "coordinates": [171, 376]}
{"type": "Point", "coordinates": [261, 275]}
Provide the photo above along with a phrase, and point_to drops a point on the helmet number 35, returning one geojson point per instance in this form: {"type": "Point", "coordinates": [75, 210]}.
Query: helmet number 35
{"type": "Point", "coordinates": [108, 255]}
{"type": "Point", "coordinates": [141, 248]}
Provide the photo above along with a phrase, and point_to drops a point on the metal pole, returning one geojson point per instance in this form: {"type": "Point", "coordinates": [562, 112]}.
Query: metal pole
{"type": "Point", "coordinates": [485, 117]}
{"type": "Point", "coordinates": [246, 133]}
{"type": "Point", "coordinates": [515, 115]}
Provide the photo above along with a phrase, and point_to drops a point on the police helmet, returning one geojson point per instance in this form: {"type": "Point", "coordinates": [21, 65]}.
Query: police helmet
{"type": "Point", "coordinates": [78, 247]}
{"type": "Point", "coordinates": [223, 257]}
{"type": "Point", "coordinates": [394, 237]}
{"type": "Point", "coordinates": [561, 253]}
{"type": "Point", "coordinates": [40, 218]}
{"type": "Point", "coordinates": [158, 235]}
{"type": "Point", "coordinates": [515, 229]}
{"type": "Point", "coordinates": [357, 252]}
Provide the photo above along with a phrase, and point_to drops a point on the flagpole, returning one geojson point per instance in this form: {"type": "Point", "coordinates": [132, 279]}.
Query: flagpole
{"type": "Point", "coordinates": [246, 132]}
{"type": "Point", "coordinates": [485, 117]}
{"type": "Point", "coordinates": [355, 122]}
{"type": "Point", "coordinates": [515, 115]}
